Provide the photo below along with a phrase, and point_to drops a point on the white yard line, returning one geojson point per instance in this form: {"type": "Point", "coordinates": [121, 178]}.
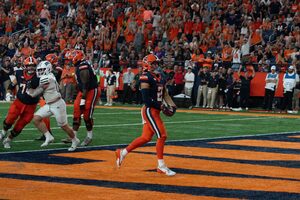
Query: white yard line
{"type": "Point", "coordinates": [171, 122]}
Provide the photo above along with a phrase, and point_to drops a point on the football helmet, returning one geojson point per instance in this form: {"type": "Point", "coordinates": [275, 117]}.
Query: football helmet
{"type": "Point", "coordinates": [149, 62]}
{"type": "Point", "coordinates": [76, 56]}
{"type": "Point", "coordinates": [52, 58]}
{"type": "Point", "coordinates": [30, 65]}
{"type": "Point", "coordinates": [43, 68]}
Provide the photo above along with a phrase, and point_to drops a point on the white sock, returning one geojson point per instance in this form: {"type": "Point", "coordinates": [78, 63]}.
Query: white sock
{"type": "Point", "coordinates": [161, 162]}
{"type": "Point", "coordinates": [124, 152]}
{"type": "Point", "coordinates": [74, 139]}
{"type": "Point", "coordinates": [47, 135]}
{"type": "Point", "coordinates": [90, 134]}
{"type": "Point", "coordinates": [8, 139]}
{"type": "Point", "coordinates": [3, 132]}
{"type": "Point", "coordinates": [75, 133]}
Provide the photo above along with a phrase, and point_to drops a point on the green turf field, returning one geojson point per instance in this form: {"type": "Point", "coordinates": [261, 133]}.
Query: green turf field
{"type": "Point", "coordinates": [121, 126]}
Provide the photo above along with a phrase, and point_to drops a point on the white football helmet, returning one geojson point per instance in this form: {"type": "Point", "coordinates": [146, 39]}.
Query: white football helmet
{"type": "Point", "coordinates": [43, 68]}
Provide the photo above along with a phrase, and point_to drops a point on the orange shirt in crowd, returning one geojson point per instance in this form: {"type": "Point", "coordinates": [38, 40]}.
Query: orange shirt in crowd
{"type": "Point", "coordinates": [208, 62]}
{"type": "Point", "coordinates": [227, 54]}
{"type": "Point", "coordinates": [68, 75]}
{"type": "Point", "coordinates": [27, 51]}
{"type": "Point", "coordinates": [256, 38]}
{"type": "Point", "coordinates": [287, 53]}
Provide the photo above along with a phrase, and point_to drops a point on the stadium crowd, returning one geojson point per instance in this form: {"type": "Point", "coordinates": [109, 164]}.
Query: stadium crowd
{"type": "Point", "coordinates": [200, 43]}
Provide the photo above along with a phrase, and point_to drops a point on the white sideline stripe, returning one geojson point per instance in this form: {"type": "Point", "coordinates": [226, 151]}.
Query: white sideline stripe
{"type": "Point", "coordinates": [187, 140]}
{"type": "Point", "coordinates": [178, 122]}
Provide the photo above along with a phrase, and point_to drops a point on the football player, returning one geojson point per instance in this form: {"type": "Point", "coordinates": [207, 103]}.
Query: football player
{"type": "Point", "coordinates": [152, 88]}
{"type": "Point", "coordinates": [55, 105]}
{"type": "Point", "coordinates": [57, 71]}
{"type": "Point", "coordinates": [87, 96]}
{"type": "Point", "coordinates": [22, 109]}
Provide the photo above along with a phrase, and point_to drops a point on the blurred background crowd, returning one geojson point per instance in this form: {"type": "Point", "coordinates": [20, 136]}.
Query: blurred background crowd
{"type": "Point", "coordinates": [190, 37]}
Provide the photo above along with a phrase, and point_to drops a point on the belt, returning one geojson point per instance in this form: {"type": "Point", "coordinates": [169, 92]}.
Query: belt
{"type": "Point", "coordinates": [54, 101]}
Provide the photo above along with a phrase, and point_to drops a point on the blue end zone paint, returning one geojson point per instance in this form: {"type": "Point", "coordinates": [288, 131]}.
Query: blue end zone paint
{"type": "Point", "coordinates": [209, 173]}
{"type": "Point", "coordinates": [277, 163]}
{"type": "Point", "coordinates": [44, 157]}
{"type": "Point", "coordinates": [197, 191]}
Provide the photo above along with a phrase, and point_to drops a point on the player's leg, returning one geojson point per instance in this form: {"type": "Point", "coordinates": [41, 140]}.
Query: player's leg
{"type": "Point", "coordinates": [12, 115]}
{"type": "Point", "coordinates": [76, 118]}
{"type": "Point", "coordinates": [146, 136]}
{"type": "Point", "coordinates": [43, 112]}
{"type": "Point", "coordinates": [91, 101]}
{"type": "Point", "coordinates": [25, 118]}
{"type": "Point", "coordinates": [59, 110]}
{"type": "Point", "coordinates": [161, 134]}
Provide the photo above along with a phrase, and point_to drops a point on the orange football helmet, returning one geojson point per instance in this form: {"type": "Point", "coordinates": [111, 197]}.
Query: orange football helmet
{"type": "Point", "coordinates": [76, 56]}
{"type": "Point", "coordinates": [30, 65]}
{"type": "Point", "coordinates": [149, 60]}
{"type": "Point", "coordinates": [52, 58]}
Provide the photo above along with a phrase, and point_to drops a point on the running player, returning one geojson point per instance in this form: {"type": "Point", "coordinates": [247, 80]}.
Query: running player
{"type": "Point", "coordinates": [87, 96]}
{"type": "Point", "coordinates": [55, 105]}
{"type": "Point", "coordinates": [152, 88]}
{"type": "Point", "coordinates": [22, 109]}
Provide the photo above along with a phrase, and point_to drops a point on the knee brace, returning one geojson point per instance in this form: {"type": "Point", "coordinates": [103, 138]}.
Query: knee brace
{"type": "Point", "coordinates": [6, 126]}
{"type": "Point", "coordinates": [76, 123]}
{"type": "Point", "coordinates": [14, 133]}
{"type": "Point", "coordinates": [89, 124]}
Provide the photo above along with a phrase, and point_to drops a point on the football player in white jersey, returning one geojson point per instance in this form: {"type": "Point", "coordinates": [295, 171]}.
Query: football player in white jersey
{"type": "Point", "coordinates": [55, 105]}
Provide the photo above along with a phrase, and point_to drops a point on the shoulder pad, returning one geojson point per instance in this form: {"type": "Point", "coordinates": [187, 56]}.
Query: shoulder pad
{"type": "Point", "coordinates": [82, 67]}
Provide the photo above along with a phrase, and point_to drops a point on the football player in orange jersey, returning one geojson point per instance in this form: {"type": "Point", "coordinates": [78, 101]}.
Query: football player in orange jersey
{"type": "Point", "coordinates": [22, 109]}
{"type": "Point", "coordinates": [152, 88]}
{"type": "Point", "coordinates": [87, 96]}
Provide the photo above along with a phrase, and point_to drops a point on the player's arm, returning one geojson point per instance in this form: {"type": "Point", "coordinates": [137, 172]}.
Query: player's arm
{"type": "Point", "coordinates": [167, 98]}
{"type": "Point", "coordinates": [149, 102]}
{"type": "Point", "coordinates": [43, 84]}
{"type": "Point", "coordinates": [84, 77]}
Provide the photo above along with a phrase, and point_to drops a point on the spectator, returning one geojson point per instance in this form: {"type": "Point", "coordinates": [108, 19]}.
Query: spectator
{"type": "Point", "coordinates": [290, 80]}
{"type": "Point", "coordinates": [272, 79]}
{"type": "Point", "coordinates": [245, 88]}
{"type": "Point", "coordinates": [229, 91]}
{"type": "Point", "coordinates": [202, 89]}
{"type": "Point", "coordinates": [68, 83]}
{"type": "Point", "coordinates": [212, 89]}
{"type": "Point", "coordinates": [189, 79]}
{"type": "Point", "coordinates": [236, 56]}
{"type": "Point", "coordinates": [178, 80]}
{"type": "Point", "coordinates": [6, 69]}
{"type": "Point", "coordinates": [128, 78]}
{"type": "Point", "coordinates": [110, 87]}
{"type": "Point", "coordinates": [296, 93]}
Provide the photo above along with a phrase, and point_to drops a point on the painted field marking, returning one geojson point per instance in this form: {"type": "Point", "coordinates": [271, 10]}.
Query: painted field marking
{"type": "Point", "coordinates": [169, 141]}
{"type": "Point", "coordinates": [176, 122]}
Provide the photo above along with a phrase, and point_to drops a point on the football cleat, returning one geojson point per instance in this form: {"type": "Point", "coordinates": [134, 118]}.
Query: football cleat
{"type": "Point", "coordinates": [74, 145]}
{"type": "Point", "coordinates": [119, 157]}
{"type": "Point", "coordinates": [165, 170]}
{"type": "Point", "coordinates": [86, 141]}
{"type": "Point", "coordinates": [67, 140]}
{"type": "Point", "coordinates": [6, 143]}
{"type": "Point", "coordinates": [48, 141]}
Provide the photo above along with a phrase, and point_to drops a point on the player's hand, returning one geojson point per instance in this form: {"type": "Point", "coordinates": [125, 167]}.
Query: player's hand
{"type": "Point", "coordinates": [82, 104]}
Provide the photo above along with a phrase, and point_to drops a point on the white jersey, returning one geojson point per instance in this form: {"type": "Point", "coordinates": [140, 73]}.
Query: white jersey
{"type": "Point", "coordinates": [51, 93]}
{"type": "Point", "coordinates": [273, 80]}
